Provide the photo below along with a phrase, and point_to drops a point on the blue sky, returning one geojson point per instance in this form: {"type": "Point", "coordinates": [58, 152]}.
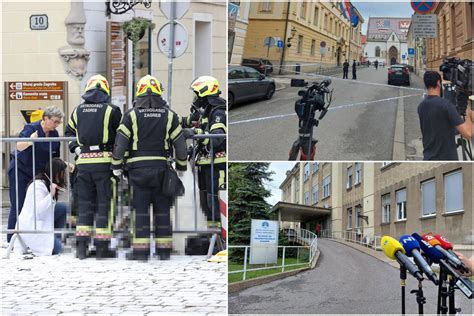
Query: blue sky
{"type": "Point", "coordinates": [382, 8]}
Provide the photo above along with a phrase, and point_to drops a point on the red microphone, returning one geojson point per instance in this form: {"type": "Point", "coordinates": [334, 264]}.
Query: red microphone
{"type": "Point", "coordinates": [445, 247]}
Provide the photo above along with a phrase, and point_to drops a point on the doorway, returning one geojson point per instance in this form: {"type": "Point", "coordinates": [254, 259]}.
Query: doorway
{"type": "Point", "coordinates": [202, 45]}
{"type": "Point", "coordinates": [393, 55]}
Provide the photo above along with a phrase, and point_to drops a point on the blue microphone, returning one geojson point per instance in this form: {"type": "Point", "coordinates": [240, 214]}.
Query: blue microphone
{"type": "Point", "coordinates": [412, 249]}
{"type": "Point", "coordinates": [431, 252]}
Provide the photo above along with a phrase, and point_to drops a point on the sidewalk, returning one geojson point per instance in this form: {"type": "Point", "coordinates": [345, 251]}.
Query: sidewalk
{"type": "Point", "coordinates": [64, 284]}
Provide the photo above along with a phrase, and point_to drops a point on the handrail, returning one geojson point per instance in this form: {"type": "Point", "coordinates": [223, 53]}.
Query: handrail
{"type": "Point", "coordinates": [368, 240]}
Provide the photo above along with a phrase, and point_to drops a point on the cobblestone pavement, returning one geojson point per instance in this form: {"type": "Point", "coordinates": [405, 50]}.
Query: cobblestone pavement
{"type": "Point", "coordinates": [64, 284]}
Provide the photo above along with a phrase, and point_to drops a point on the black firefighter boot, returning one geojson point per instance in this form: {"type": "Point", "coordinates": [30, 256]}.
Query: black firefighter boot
{"type": "Point", "coordinates": [102, 249]}
{"type": "Point", "coordinates": [163, 253]}
{"type": "Point", "coordinates": [140, 254]}
{"type": "Point", "coordinates": [82, 246]}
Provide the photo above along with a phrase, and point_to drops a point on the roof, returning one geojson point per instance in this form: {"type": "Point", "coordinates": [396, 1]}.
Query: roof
{"type": "Point", "coordinates": [380, 28]}
{"type": "Point", "coordinates": [291, 212]}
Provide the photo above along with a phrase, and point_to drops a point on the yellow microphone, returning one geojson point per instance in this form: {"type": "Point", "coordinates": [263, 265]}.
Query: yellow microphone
{"type": "Point", "coordinates": [395, 251]}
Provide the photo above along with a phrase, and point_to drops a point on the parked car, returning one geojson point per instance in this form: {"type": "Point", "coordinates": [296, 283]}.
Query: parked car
{"type": "Point", "coordinates": [258, 64]}
{"type": "Point", "coordinates": [246, 83]}
{"type": "Point", "coordinates": [398, 74]}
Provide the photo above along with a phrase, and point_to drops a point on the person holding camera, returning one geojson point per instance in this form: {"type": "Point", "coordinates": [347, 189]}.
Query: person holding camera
{"type": "Point", "coordinates": [439, 121]}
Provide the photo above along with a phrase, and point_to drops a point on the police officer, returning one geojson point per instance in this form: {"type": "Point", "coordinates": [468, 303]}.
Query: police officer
{"type": "Point", "coordinates": [148, 131]}
{"type": "Point", "coordinates": [94, 124]}
{"type": "Point", "coordinates": [212, 109]}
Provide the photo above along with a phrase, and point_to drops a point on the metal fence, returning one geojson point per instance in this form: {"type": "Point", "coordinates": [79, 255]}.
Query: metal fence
{"type": "Point", "coordinates": [368, 240]}
{"type": "Point", "coordinates": [13, 141]}
{"type": "Point", "coordinates": [303, 236]}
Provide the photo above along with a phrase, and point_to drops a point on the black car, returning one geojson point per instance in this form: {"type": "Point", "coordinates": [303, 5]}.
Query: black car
{"type": "Point", "coordinates": [247, 84]}
{"type": "Point", "coordinates": [258, 64]}
{"type": "Point", "coordinates": [399, 74]}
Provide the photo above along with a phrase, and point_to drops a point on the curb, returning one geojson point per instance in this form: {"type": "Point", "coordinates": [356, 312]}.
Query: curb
{"type": "Point", "coordinates": [242, 285]}
{"type": "Point", "coordinates": [280, 86]}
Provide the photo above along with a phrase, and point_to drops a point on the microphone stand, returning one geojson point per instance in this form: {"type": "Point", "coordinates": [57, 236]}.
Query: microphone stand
{"type": "Point", "coordinates": [442, 291]}
{"type": "Point", "coordinates": [403, 277]}
{"type": "Point", "coordinates": [452, 287]}
{"type": "Point", "coordinates": [420, 299]}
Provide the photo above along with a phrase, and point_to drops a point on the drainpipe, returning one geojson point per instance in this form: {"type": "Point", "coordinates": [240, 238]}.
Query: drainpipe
{"type": "Point", "coordinates": [284, 37]}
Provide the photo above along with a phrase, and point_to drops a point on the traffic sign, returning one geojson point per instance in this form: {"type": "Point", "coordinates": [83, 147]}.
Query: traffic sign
{"type": "Point", "coordinates": [411, 52]}
{"type": "Point", "coordinates": [269, 41]}
{"type": "Point", "coordinates": [280, 43]}
{"type": "Point", "coordinates": [182, 6]}
{"type": "Point", "coordinates": [323, 44]}
{"type": "Point", "coordinates": [423, 7]}
{"type": "Point", "coordinates": [323, 50]}
{"type": "Point", "coordinates": [425, 25]}
{"type": "Point", "coordinates": [180, 39]}
{"type": "Point", "coordinates": [403, 57]}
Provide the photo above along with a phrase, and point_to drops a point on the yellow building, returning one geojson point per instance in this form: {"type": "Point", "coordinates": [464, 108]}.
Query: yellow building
{"type": "Point", "coordinates": [237, 30]}
{"type": "Point", "coordinates": [301, 27]}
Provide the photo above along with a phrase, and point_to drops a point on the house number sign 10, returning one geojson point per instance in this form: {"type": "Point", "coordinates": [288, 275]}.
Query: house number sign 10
{"type": "Point", "coordinates": [39, 22]}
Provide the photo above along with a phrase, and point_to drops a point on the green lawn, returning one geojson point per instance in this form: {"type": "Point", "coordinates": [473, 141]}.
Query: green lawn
{"type": "Point", "coordinates": [234, 277]}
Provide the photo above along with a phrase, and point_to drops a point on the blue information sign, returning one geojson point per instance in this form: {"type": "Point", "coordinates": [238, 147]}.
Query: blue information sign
{"type": "Point", "coordinates": [411, 52]}
{"type": "Point", "coordinates": [280, 44]}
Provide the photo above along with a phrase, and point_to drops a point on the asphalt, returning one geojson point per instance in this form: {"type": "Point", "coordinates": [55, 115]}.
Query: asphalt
{"type": "Point", "coordinates": [345, 281]}
{"type": "Point", "coordinates": [361, 124]}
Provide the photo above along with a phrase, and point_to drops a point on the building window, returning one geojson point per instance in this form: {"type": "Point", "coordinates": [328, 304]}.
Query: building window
{"type": "Point", "coordinates": [300, 44]}
{"type": "Point", "coordinates": [306, 172]}
{"type": "Point", "coordinates": [303, 10]}
{"type": "Point", "coordinates": [326, 187]}
{"type": "Point", "coordinates": [377, 51]}
{"type": "Point", "coordinates": [453, 192]}
{"type": "Point", "coordinates": [386, 208]}
{"type": "Point", "coordinates": [316, 16]}
{"type": "Point", "coordinates": [428, 197]}
{"type": "Point", "coordinates": [349, 218]}
{"type": "Point", "coordinates": [315, 193]}
{"type": "Point", "coordinates": [306, 198]}
{"type": "Point", "coordinates": [358, 213]}
{"type": "Point", "coordinates": [358, 172]}
{"type": "Point", "coordinates": [401, 197]}
{"type": "Point", "coordinates": [349, 177]}
{"type": "Point", "coordinates": [266, 6]}
{"type": "Point", "coordinates": [313, 44]}
{"type": "Point", "coordinates": [315, 166]}
{"type": "Point", "coordinates": [393, 38]}
{"type": "Point", "coordinates": [452, 17]}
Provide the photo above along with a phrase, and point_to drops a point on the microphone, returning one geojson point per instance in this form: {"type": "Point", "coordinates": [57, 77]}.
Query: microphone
{"type": "Point", "coordinates": [433, 254]}
{"type": "Point", "coordinates": [446, 245]}
{"type": "Point", "coordinates": [394, 250]}
{"type": "Point", "coordinates": [454, 260]}
{"type": "Point", "coordinates": [412, 249]}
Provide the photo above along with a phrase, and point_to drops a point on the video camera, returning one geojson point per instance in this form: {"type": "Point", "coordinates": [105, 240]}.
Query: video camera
{"type": "Point", "coordinates": [459, 73]}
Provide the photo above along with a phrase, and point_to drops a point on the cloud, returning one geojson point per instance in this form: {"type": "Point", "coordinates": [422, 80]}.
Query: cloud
{"type": "Point", "coordinates": [279, 169]}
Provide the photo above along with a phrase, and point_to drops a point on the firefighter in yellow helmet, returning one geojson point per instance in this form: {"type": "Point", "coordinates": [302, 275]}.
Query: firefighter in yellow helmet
{"type": "Point", "coordinates": [94, 123]}
{"type": "Point", "coordinates": [148, 132]}
{"type": "Point", "coordinates": [212, 120]}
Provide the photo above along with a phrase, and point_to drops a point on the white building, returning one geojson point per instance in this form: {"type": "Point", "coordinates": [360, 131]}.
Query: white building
{"type": "Point", "coordinates": [387, 40]}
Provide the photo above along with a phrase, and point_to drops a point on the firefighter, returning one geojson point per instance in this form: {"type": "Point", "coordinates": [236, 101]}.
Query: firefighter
{"type": "Point", "coordinates": [94, 123]}
{"type": "Point", "coordinates": [148, 132]}
{"type": "Point", "coordinates": [212, 110]}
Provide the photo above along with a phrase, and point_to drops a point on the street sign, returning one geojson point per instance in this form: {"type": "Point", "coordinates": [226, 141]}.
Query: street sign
{"type": "Point", "coordinates": [425, 25]}
{"type": "Point", "coordinates": [269, 41]}
{"type": "Point", "coordinates": [423, 7]}
{"type": "Point", "coordinates": [182, 6]}
{"type": "Point", "coordinates": [180, 39]}
{"type": "Point", "coordinates": [280, 43]}
{"type": "Point", "coordinates": [411, 52]}
{"type": "Point", "coordinates": [403, 57]}
{"type": "Point", "coordinates": [39, 22]}
{"type": "Point", "coordinates": [323, 44]}
{"type": "Point", "coordinates": [323, 50]}
{"type": "Point", "coordinates": [232, 13]}
{"type": "Point", "coordinates": [36, 90]}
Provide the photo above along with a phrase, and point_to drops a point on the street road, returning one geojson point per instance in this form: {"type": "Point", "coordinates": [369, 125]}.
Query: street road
{"type": "Point", "coordinates": [368, 120]}
{"type": "Point", "coordinates": [345, 281]}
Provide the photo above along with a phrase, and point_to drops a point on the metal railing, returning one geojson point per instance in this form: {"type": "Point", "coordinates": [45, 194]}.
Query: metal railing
{"type": "Point", "coordinates": [12, 141]}
{"type": "Point", "coordinates": [303, 236]}
{"type": "Point", "coordinates": [367, 240]}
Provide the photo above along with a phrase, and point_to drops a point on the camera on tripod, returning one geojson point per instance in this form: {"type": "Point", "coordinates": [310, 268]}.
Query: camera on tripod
{"type": "Point", "coordinates": [459, 73]}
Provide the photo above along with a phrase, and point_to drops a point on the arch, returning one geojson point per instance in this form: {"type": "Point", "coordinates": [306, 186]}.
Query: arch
{"type": "Point", "coordinates": [377, 51]}
{"type": "Point", "coordinates": [393, 55]}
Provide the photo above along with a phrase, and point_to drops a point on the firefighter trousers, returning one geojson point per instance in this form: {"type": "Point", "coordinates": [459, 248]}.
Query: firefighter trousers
{"type": "Point", "coordinates": [212, 188]}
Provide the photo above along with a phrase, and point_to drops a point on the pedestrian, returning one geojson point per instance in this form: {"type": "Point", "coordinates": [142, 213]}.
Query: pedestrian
{"type": "Point", "coordinates": [94, 123]}
{"type": "Point", "coordinates": [345, 70]}
{"type": "Point", "coordinates": [318, 229]}
{"type": "Point", "coordinates": [213, 121]}
{"type": "Point", "coordinates": [354, 70]}
{"type": "Point", "coordinates": [42, 211]}
{"type": "Point", "coordinates": [376, 64]}
{"type": "Point", "coordinates": [439, 120]}
{"type": "Point", "coordinates": [23, 166]}
{"type": "Point", "coordinates": [148, 131]}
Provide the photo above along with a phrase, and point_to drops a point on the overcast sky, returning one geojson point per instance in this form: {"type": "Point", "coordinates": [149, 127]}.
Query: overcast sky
{"type": "Point", "coordinates": [279, 169]}
{"type": "Point", "coordinates": [367, 9]}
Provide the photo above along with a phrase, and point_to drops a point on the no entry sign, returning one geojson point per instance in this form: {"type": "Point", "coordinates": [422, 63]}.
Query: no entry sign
{"type": "Point", "coordinates": [423, 7]}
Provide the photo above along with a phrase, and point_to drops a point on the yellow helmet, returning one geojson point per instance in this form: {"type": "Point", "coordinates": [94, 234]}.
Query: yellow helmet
{"type": "Point", "coordinates": [98, 82]}
{"type": "Point", "coordinates": [148, 82]}
{"type": "Point", "coordinates": [205, 85]}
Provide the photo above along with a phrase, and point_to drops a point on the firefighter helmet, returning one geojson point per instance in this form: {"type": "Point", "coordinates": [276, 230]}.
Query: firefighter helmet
{"type": "Point", "coordinates": [98, 82]}
{"type": "Point", "coordinates": [148, 84]}
{"type": "Point", "coordinates": [205, 86]}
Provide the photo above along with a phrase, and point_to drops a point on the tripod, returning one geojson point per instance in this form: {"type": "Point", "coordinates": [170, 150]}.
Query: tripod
{"type": "Point", "coordinates": [442, 291]}
{"type": "Point", "coordinates": [403, 278]}
{"type": "Point", "coordinates": [420, 299]}
{"type": "Point", "coordinates": [465, 145]}
{"type": "Point", "coordinates": [305, 142]}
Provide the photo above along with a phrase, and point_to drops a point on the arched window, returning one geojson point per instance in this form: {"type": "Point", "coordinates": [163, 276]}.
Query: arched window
{"type": "Point", "coordinates": [377, 51]}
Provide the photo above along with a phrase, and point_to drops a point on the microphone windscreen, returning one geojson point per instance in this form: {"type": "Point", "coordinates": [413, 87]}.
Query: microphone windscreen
{"type": "Point", "coordinates": [390, 246]}
{"type": "Point", "coordinates": [434, 254]}
{"type": "Point", "coordinates": [444, 242]}
{"type": "Point", "coordinates": [409, 243]}
{"type": "Point", "coordinates": [431, 240]}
